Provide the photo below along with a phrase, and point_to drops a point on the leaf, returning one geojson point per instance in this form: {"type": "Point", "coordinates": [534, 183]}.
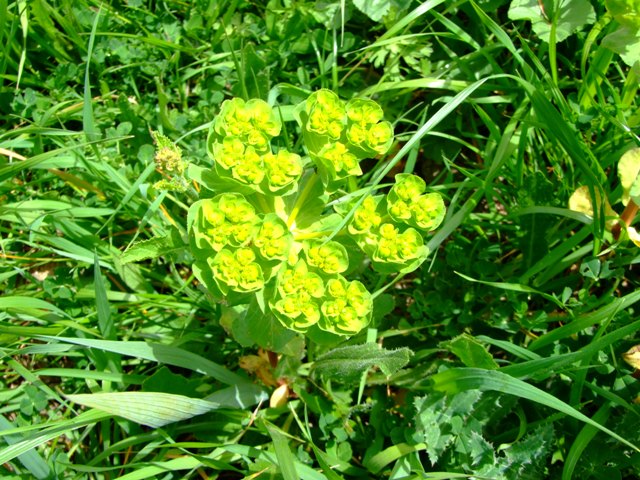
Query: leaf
{"type": "Point", "coordinates": [632, 357]}
{"type": "Point", "coordinates": [470, 352]}
{"type": "Point", "coordinates": [147, 408]}
{"type": "Point", "coordinates": [348, 364]}
{"type": "Point", "coordinates": [625, 12]}
{"type": "Point", "coordinates": [572, 15]}
{"type": "Point", "coordinates": [374, 9]}
{"type": "Point", "coordinates": [515, 287]}
{"type": "Point", "coordinates": [261, 328]}
{"type": "Point", "coordinates": [153, 248]}
{"type": "Point", "coordinates": [31, 460]}
{"type": "Point", "coordinates": [436, 415]}
{"type": "Point", "coordinates": [31, 306]}
{"type": "Point", "coordinates": [458, 380]}
{"type": "Point", "coordinates": [628, 169]}
{"type": "Point", "coordinates": [286, 460]}
{"type": "Point", "coordinates": [54, 430]}
{"type": "Point", "coordinates": [159, 353]}
{"type": "Point", "coordinates": [105, 322]}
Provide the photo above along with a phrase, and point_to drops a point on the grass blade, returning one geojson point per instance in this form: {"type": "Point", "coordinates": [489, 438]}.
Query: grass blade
{"type": "Point", "coordinates": [162, 354]}
{"type": "Point", "coordinates": [153, 409]}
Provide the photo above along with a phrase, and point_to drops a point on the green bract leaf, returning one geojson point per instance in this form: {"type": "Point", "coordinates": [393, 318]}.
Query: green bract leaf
{"type": "Point", "coordinates": [365, 128]}
{"type": "Point", "coordinates": [398, 248]}
{"type": "Point", "coordinates": [330, 257]}
{"type": "Point", "coordinates": [282, 169]}
{"type": "Point", "coordinates": [296, 303]}
{"type": "Point", "coordinates": [346, 308]}
{"type": "Point", "coordinates": [367, 216]}
{"type": "Point", "coordinates": [237, 270]}
{"type": "Point", "coordinates": [253, 122]}
{"type": "Point", "coordinates": [273, 238]}
{"type": "Point", "coordinates": [407, 203]}
{"type": "Point", "coordinates": [227, 219]}
{"type": "Point", "coordinates": [326, 114]}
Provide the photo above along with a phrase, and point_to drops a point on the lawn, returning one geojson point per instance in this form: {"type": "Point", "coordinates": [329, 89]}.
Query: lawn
{"type": "Point", "coordinates": [319, 240]}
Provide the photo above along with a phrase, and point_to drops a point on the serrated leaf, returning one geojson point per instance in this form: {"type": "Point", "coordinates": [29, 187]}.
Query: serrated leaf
{"type": "Point", "coordinates": [152, 409]}
{"type": "Point", "coordinates": [347, 364]}
{"type": "Point", "coordinates": [435, 416]}
{"type": "Point", "coordinates": [458, 380]}
{"type": "Point", "coordinates": [572, 15]}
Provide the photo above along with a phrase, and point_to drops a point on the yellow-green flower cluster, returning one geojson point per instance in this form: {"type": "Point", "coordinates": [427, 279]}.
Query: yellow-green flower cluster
{"type": "Point", "coordinates": [387, 228]}
{"type": "Point", "coordinates": [339, 161]}
{"type": "Point", "coordinates": [329, 257]}
{"type": "Point", "coordinates": [338, 135]}
{"type": "Point", "coordinates": [237, 270]}
{"type": "Point", "coordinates": [225, 220]}
{"type": "Point", "coordinates": [261, 244]}
{"type": "Point", "coordinates": [408, 203]}
{"type": "Point", "coordinates": [365, 127]}
{"type": "Point", "coordinates": [346, 308]}
{"type": "Point", "coordinates": [254, 122]}
{"type": "Point", "coordinates": [306, 297]}
{"type": "Point", "coordinates": [240, 247]}
{"type": "Point", "coordinates": [239, 143]}
{"type": "Point", "coordinates": [326, 113]}
{"type": "Point", "coordinates": [297, 302]}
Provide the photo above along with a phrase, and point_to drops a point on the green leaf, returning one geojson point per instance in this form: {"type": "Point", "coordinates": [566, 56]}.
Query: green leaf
{"type": "Point", "coordinates": [375, 9]}
{"type": "Point", "coordinates": [626, 43]}
{"type": "Point", "coordinates": [147, 408]}
{"type": "Point", "coordinates": [625, 12]}
{"type": "Point", "coordinates": [515, 287]}
{"type": "Point", "coordinates": [29, 305]}
{"type": "Point", "coordinates": [436, 415]}
{"type": "Point", "coordinates": [261, 328]}
{"type": "Point", "coordinates": [54, 430]}
{"type": "Point", "coordinates": [160, 353]}
{"type": "Point", "coordinates": [31, 460]}
{"type": "Point", "coordinates": [628, 170]}
{"type": "Point", "coordinates": [571, 16]}
{"type": "Point", "coordinates": [348, 364]}
{"type": "Point", "coordinates": [286, 460]}
{"type": "Point", "coordinates": [470, 352]}
{"type": "Point", "coordinates": [105, 322]}
{"type": "Point", "coordinates": [459, 380]}
{"type": "Point", "coordinates": [153, 248]}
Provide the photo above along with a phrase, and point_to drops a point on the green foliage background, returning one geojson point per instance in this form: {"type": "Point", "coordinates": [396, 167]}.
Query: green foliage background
{"type": "Point", "coordinates": [499, 358]}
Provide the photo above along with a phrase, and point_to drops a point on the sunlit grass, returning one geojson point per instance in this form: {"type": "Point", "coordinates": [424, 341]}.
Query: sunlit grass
{"type": "Point", "coordinates": [516, 283]}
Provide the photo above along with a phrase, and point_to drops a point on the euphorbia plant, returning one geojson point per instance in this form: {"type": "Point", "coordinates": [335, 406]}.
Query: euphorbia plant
{"type": "Point", "coordinates": [269, 230]}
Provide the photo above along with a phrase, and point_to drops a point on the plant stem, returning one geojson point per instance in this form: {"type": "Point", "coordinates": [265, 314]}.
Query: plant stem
{"type": "Point", "coordinates": [300, 201]}
{"type": "Point", "coordinates": [627, 217]}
